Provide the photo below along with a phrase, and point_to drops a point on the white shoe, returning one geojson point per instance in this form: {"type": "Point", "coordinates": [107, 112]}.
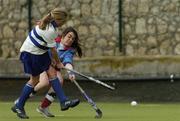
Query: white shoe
{"type": "Point", "coordinates": [44, 111]}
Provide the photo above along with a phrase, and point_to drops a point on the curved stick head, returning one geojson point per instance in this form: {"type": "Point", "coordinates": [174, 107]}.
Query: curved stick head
{"type": "Point", "coordinates": [98, 113]}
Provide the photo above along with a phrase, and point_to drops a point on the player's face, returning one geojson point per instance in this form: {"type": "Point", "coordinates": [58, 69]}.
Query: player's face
{"type": "Point", "coordinates": [68, 39]}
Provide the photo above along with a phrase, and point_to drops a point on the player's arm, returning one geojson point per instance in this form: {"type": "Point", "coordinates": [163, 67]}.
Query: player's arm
{"type": "Point", "coordinates": [71, 74]}
{"type": "Point", "coordinates": [55, 59]}
{"type": "Point", "coordinates": [68, 62]}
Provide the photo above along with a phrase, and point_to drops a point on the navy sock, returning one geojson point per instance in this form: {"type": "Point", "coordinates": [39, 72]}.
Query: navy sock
{"type": "Point", "coordinates": [27, 90]}
{"type": "Point", "coordinates": [58, 89]}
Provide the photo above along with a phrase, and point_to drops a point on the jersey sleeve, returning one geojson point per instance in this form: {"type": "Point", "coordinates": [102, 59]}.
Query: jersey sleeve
{"type": "Point", "coordinates": [68, 57]}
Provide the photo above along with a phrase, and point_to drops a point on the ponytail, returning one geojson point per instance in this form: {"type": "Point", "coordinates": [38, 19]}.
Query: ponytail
{"type": "Point", "coordinates": [55, 15]}
{"type": "Point", "coordinates": [45, 21]}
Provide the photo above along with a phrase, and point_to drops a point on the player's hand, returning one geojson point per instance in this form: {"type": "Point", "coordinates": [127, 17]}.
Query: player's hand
{"type": "Point", "coordinates": [72, 76]}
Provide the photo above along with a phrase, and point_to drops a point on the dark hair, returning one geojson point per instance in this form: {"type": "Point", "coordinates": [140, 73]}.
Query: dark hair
{"type": "Point", "coordinates": [76, 45]}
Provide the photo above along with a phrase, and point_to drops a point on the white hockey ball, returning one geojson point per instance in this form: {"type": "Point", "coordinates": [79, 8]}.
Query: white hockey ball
{"type": "Point", "coordinates": [133, 103]}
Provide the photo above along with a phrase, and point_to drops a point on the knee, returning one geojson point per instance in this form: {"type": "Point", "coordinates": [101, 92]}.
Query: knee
{"type": "Point", "coordinates": [52, 74]}
{"type": "Point", "coordinates": [33, 81]}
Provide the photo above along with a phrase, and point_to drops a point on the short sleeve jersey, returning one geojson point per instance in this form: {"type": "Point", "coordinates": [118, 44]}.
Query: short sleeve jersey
{"type": "Point", "coordinates": [39, 41]}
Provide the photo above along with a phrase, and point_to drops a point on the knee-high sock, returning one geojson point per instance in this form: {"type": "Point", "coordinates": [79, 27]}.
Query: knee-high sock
{"type": "Point", "coordinates": [58, 89]}
{"type": "Point", "coordinates": [27, 90]}
{"type": "Point", "coordinates": [31, 95]}
{"type": "Point", "coordinates": [48, 99]}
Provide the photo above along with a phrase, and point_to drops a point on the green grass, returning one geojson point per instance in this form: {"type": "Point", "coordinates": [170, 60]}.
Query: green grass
{"type": "Point", "coordinates": [111, 112]}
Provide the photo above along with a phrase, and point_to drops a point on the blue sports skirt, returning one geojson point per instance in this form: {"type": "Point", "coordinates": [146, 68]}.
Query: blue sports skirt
{"type": "Point", "coordinates": [35, 64]}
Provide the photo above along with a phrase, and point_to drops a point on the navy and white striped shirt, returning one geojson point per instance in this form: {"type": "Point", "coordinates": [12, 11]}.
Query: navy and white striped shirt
{"type": "Point", "coordinates": [39, 41]}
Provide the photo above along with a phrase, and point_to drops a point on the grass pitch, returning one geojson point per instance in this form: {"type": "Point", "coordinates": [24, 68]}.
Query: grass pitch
{"type": "Point", "coordinates": [111, 112]}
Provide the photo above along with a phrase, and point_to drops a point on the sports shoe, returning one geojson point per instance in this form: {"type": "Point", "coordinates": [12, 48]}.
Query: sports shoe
{"type": "Point", "coordinates": [20, 113]}
{"type": "Point", "coordinates": [44, 111]}
{"type": "Point", "coordinates": [69, 103]}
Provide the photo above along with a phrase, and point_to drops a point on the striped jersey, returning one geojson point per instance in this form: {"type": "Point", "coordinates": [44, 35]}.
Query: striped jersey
{"type": "Point", "coordinates": [39, 41]}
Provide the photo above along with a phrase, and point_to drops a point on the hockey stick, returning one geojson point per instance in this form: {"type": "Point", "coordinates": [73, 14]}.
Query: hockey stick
{"type": "Point", "coordinates": [90, 101]}
{"type": "Point", "coordinates": [92, 79]}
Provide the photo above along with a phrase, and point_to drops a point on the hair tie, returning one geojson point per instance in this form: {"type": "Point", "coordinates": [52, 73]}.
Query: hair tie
{"type": "Point", "coordinates": [54, 23]}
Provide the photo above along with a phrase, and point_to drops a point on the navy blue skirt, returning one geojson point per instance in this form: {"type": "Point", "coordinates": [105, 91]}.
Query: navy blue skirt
{"type": "Point", "coordinates": [35, 64]}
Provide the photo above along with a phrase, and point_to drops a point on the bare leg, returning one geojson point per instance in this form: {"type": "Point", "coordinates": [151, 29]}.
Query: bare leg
{"type": "Point", "coordinates": [43, 82]}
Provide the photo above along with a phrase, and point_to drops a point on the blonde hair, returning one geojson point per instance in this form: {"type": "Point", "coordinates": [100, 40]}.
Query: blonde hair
{"type": "Point", "coordinates": [56, 14]}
